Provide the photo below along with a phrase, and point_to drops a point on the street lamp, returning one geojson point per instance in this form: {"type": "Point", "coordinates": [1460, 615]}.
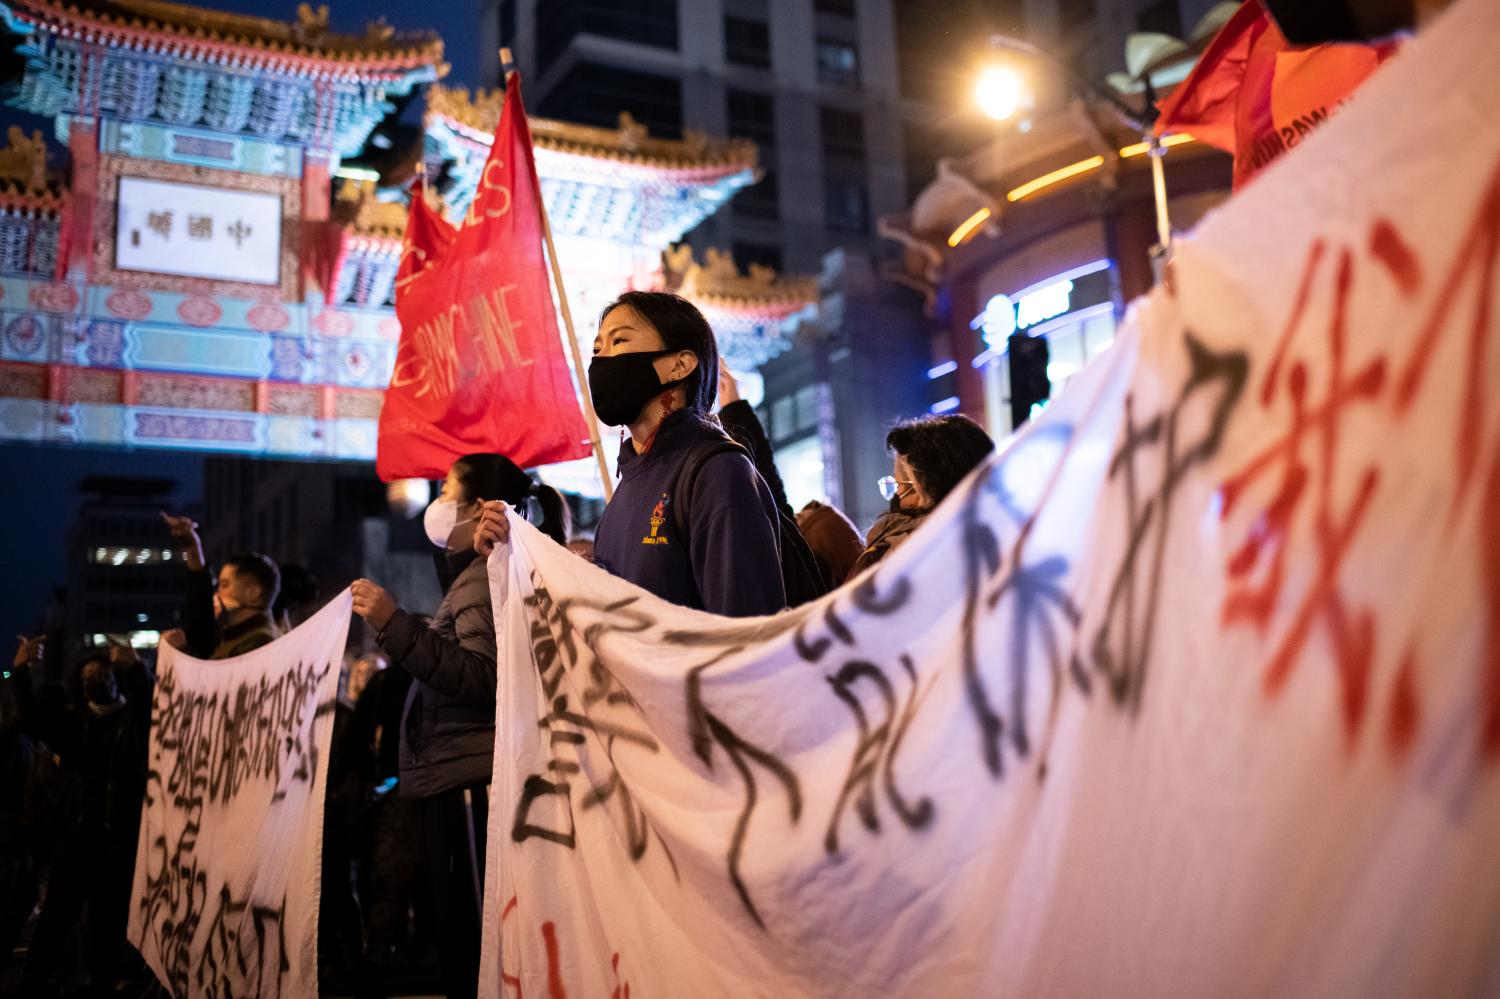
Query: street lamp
{"type": "Point", "coordinates": [1000, 90]}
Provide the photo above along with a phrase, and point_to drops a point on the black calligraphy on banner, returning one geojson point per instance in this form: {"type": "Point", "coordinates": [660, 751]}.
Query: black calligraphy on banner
{"type": "Point", "coordinates": [215, 937]}
{"type": "Point", "coordinates": [1014, 589]}
{"type": "Point", "coordinates": [1152, 462]}
{"type": "Point", "coordinates": [605, 710]}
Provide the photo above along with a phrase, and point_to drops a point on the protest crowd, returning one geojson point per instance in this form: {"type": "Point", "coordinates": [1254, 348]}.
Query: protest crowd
{"type": "Point", "coordinates": [698, 518]}
{"type": "Point", "coordinates": [414, 726]}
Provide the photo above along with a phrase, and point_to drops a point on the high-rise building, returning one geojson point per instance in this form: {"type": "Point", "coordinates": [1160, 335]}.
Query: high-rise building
{"type": "Point", "coordinates": [813, 82]}
{"type": "Point", "coordinates": [125, 580]}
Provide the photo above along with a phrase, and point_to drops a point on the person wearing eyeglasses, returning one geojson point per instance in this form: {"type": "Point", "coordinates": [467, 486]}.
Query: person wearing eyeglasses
{"type": "Point", "coordinates": [930, 456]}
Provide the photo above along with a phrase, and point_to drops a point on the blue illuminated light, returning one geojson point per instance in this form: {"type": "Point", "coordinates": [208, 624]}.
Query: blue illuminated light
{"type": "Point", "coordinates": [946, 368]}
{"type": "Point", "coordinates": [948, 405]}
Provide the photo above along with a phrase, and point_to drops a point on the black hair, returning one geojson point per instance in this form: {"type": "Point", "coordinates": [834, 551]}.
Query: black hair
{"type": "Point", "coordinates": [72, 685]}
{"type": "Point", "coordinates": [299, 587]}
{"type": "Point", "coordinates": [941, 450]}
{"type": "Point", "coordinates": [486, 476]}
{"type": "Point", "coordinates": [682, 327]}
{"type": "Point", "coordinates": [261, 570]}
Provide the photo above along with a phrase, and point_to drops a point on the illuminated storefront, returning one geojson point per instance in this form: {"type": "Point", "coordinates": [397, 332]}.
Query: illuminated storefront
{"type": "Point", "coordinates": [1047, 228]}
{"type": "Point", "coordinates": [1075, 312]}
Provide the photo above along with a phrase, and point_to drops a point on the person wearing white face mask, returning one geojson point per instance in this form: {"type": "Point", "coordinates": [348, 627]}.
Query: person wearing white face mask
{"type": "Point", "coordinates": [448, 725]}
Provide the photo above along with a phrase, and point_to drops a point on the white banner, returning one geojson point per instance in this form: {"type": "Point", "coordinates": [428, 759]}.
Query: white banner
{"type": "Point", "coordinates": [227, 867]}
{"type": "Point", "coordinates": [1194, 690]}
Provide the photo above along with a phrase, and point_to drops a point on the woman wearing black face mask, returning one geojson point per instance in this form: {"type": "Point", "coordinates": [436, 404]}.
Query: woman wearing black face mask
{"type": "Point", "coordinates": [447, 728]}
{"type": "Point", "coordinates": [655, 373]}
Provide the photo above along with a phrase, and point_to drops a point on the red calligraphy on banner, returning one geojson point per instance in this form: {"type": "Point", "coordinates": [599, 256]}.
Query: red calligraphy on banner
{"type": "Point", "coordinates": [1303, 466]}
{"type": "Point", "coordinates": [480, 364]}
{"type": "Point", "coordinates": [1309, 450]}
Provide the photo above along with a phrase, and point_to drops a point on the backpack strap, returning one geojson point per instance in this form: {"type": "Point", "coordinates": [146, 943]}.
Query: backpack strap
{"type": "Point", "coordinates": [687, 478]}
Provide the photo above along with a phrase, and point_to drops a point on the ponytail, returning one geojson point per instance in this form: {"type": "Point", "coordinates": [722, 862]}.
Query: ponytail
{"type": "Point", "coordinates": [557, 519]}
{"type": "Point", "coordinates": [496, 477]}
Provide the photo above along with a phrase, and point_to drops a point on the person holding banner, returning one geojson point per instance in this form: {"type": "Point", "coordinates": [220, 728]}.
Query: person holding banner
{"type": "Point", "coordinates": [655, 371]}
{"type": "Point", "coordinates": [448, 725]}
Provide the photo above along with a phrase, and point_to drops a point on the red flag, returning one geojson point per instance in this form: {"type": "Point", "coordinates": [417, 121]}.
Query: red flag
{"type": "Point", "coordinates": [1255, 95]}
{"type": "Point", "coordinates": [428, 237]}
{"type": "Point", "coordinates": [480, 366]}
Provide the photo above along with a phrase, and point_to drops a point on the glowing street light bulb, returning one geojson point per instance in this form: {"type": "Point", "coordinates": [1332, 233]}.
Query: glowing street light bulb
{"type": "Point", "coordinates": [999, 92]}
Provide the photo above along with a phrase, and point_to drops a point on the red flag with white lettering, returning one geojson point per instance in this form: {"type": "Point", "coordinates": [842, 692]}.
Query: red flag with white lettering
{"type": "Point", "coordinates": [1254, 94]}
{"type": "Point", "coordinates": [480, 366]}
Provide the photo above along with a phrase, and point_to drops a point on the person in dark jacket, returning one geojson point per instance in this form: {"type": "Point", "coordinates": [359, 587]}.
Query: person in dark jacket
{"type": "Point", "coordinates": [930, 456]}
{"type": "Point", "coordinates": [655, 371]}
{"type": "Point", "coordinates": [738, 418]}
{"type": "Point", "coordinates": [246, 589]}
{"type": "Point", "coordinates": [27, 778]}
{"type": "Point", "coordinates": [93, 862]}
{"type": "Point", "coordinates": [448, 726]}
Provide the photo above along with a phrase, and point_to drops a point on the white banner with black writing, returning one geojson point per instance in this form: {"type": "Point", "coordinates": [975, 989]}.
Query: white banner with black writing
{"type": "Point", "coordinates": [1193, 690]}
{"type": "Point", "coordinates": [226, 894]}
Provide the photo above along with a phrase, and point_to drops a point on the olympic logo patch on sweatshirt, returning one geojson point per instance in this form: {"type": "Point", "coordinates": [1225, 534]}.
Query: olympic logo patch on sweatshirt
{"type": "Point", "coordinates": [658, 518]}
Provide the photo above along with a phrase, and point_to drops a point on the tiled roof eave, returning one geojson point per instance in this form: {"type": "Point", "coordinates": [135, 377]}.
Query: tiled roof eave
{"type": "Point", "coordinates": [689, 171]}
{"type": "Point", "coordinates": [238, 51]}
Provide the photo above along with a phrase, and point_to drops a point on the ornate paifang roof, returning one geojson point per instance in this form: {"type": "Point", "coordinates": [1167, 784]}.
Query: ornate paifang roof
{"type": "Point", "coordinates": [304, 47]}
{"type": "Point", "coordinates": [357, 207]}
{"type": "Point", "coordinates": [718, 283]}
{"type": "Point", "coordinates": [754, 315]}
{"type": "Point", "coordinates": [630, 143]}
{"type": "Point", "coordinates": [618, 185]}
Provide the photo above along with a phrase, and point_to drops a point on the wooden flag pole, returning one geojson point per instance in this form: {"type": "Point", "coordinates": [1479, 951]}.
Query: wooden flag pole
{"type": "Point", "coordinates": [568, 334]}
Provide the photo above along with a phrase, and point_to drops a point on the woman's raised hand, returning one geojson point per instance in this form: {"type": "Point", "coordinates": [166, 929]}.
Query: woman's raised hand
{"type": "Point", "coordinates": [493, 529]}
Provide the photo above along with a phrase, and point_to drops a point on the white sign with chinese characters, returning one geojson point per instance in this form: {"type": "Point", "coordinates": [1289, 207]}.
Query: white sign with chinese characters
{"type": "Point", "coordinates": [197, 231]}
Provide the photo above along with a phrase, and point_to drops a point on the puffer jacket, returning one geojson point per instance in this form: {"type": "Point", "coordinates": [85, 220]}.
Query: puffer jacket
{"type": "Point", "coordinates": [448, 724]}
{"type": "Point", "coordinates": [888, 531]}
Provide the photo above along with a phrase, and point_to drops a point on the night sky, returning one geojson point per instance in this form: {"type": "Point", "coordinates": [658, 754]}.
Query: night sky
{"type": "Point", "coordinates": [40, 490]}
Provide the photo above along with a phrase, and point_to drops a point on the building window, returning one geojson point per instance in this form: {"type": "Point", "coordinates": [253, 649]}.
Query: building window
{"type": "Point", "coordinates": [1162, 16]}
{"type": "Point", "coordinates": [843, 133]}
{"type": "Point", "coordinates": [846, 206]}
{"type": "Point", "coordinates": [763, 254]}
{"type": "Point", "coordinates": [645, 22]}
{"type": "Point", "coordinates": [1074, 14]}
{"type": "Point", "coordinates": [760, 200]}
{"type": "Point", "coordinates": [595, 94]}
{"type": "Point", "coordinates": [747, 42]}
{"type": "Point", "coordinates": [751, 116]}
{"type": "Point", "coordinates": [838, 63]}
{"type": "Point", "coordinates": [807, 408]}
{"type": "Point", "coordinates": [844, 8]}
{"type": "Point", "coordinates": [782, 418]}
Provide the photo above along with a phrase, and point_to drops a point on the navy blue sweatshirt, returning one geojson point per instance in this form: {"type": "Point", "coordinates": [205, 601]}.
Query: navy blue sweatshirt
{"type": "Point", "coordinates": [730, 564]}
